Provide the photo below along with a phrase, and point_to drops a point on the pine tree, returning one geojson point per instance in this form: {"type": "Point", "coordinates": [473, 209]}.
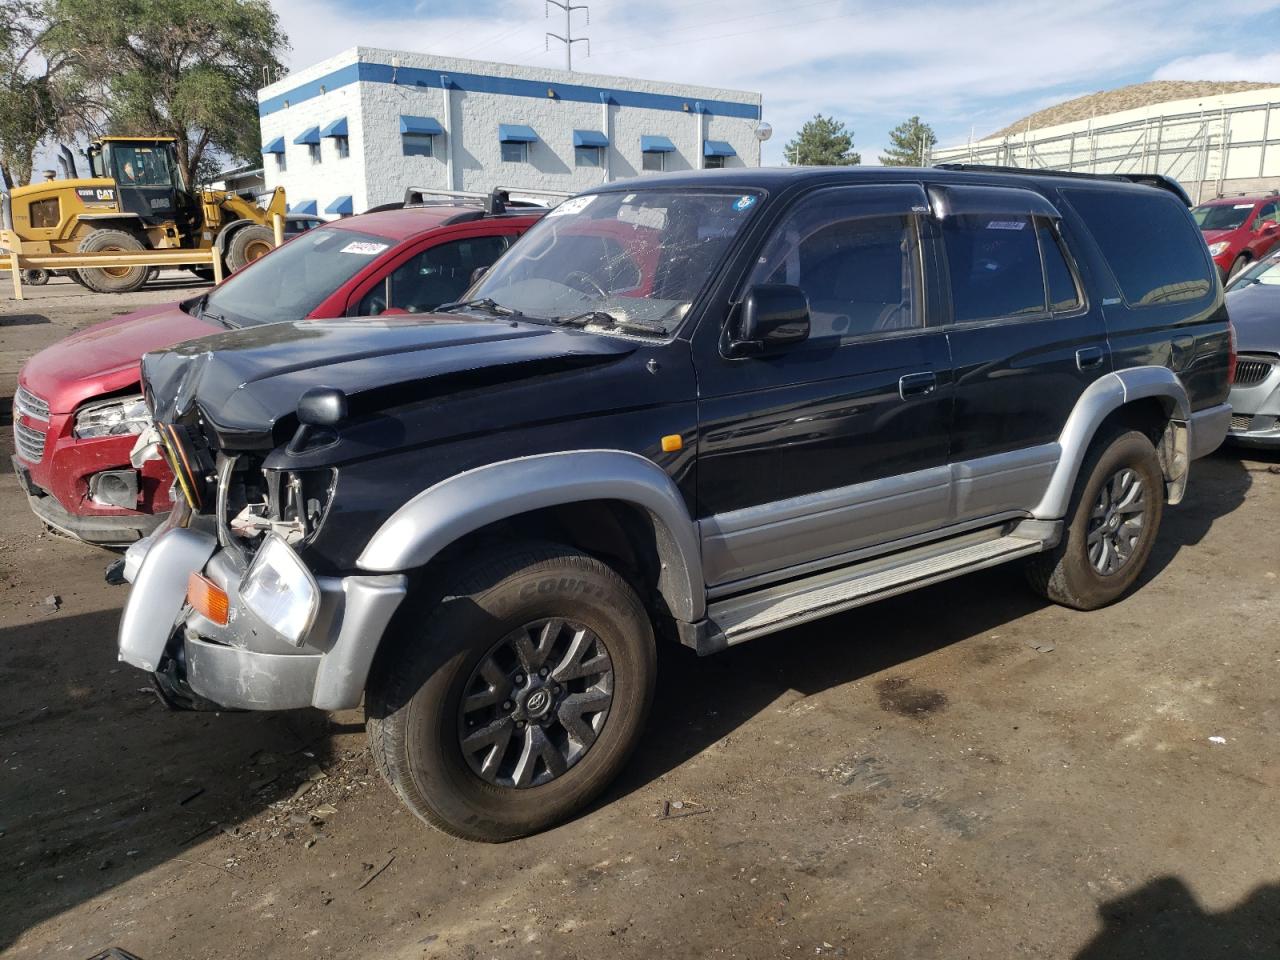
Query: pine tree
{"type": "Point", "coordinates": [822, 142]}
{"type": "Point", "coordinates": [911, 142]}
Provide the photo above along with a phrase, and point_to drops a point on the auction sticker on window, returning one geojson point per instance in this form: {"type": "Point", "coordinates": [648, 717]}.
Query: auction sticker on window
{"type": "Point", "coordinates": [363, 248]}
{"type": "Point", "coordinates": [574, 205]}
{"type": "Point", "coordinates": [1006, 224]}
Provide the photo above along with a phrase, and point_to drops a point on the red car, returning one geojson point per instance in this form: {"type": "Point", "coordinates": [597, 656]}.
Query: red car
{"type": "Point", "coordinates": [78, 408]}
{"type": "Point", "coordinates": [1239, 230]}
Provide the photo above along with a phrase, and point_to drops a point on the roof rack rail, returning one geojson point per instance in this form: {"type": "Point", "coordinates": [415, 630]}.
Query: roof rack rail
{"type": "Point", "coordinates": [495, 202]}
{"type": "Point", "coordinates": [1158, 180]}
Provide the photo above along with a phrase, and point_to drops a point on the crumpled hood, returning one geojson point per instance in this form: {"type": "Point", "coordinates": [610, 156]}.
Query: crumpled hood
{"type": "Point", "coordinates": [247, 382]}
{"type": "Point", "coordinates": [1255, 313]}
{"type": "Point", "coordinates": [104, 358]}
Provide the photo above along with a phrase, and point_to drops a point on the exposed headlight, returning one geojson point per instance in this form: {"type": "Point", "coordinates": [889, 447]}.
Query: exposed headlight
{"type": "Point", "coordinates": [281, 591]}
{"type": "Point", "coordinates": [112, 418]}
{"type": "Point", "coordinates": [1217, 248]}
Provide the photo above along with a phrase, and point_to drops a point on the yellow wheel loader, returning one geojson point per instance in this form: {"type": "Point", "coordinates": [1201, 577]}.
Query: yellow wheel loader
{"type": "Point", "coordinates": [134, 199]}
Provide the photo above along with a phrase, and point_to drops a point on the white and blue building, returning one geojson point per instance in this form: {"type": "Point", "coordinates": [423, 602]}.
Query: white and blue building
{"type": "Point", "coordinates": [358, 129]}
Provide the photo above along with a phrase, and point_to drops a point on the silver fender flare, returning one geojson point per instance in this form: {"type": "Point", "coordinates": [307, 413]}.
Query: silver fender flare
{"type": "Point", "coordinates": [452, 508]}
{"type": "Point", "coordinates": [1102, 398]}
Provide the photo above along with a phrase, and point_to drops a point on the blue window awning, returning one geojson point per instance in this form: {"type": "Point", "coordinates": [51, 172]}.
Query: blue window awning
{"type": "Point", "coordinates": [589, 138]}
{"type": "Point", "coordinates": [275, 146]}
{"type": "Point", "coordinates": [428, 126]}
{"type": "Point", "coordinates": [342, 206]}
{"type": "Point", "coordinates": [717, 148]}
{"type": "Point", "coordinates": [656, 145]}
{"type": "Point", "coordinates": [516, 133]}
{"type": "Point", "coordinates": [304, 206]}
{"type": "Point", "coordinates": [311, 136]}
{"type": "Point", "coordinates": [336, 129]}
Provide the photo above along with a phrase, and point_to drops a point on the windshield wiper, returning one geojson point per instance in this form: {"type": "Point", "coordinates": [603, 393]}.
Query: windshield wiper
{"type": "Point", "coordinates": [603, 318]}
{"type": "Point", "coordinates": [484, 303]}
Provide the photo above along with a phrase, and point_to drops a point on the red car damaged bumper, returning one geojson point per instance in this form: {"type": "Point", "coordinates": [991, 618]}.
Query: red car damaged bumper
{"type": "Point", "coordinates": [75, 485]}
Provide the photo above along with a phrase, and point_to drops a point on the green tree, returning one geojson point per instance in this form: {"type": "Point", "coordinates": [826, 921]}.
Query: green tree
{"type": "Point", "coordinates": [39, 96]}
{"type": "Point", "coordinates": [188, 69]}
{"type": "Point", "coordinates": [822, 142]}
{"type": "Point", "coordinates": [910, 144]}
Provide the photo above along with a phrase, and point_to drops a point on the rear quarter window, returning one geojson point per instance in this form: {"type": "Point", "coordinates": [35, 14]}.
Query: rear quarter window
{"type": "Point", "coordinates": [1154, 250]}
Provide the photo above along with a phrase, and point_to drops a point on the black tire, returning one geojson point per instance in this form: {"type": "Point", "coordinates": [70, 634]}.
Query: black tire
{"type": "Point", "coordinates": [115, 279]}
{"type": "Point", "coordinates": [248, 244]}
{"type": "Point", "coordinates": [415, 708]}
{"type": "Point", "coordinates": [1238, 264]}
{"type": "Point", "coordinates": [1071, 574]}
{"type": "Point", "coordinates": [35, 278]}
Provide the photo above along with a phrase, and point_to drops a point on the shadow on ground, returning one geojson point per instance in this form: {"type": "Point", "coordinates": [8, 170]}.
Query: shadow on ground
{"type": "Point", "coordinates": [102, 783]}
{"type": "Point", "coordinates": [1164, 920]}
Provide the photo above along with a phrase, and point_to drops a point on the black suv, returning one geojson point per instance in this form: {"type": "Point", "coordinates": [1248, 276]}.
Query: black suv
{"type": "Point", "coordinates": [704, 407]}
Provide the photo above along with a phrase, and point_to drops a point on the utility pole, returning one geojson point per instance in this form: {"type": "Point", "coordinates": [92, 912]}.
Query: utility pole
{"type": "Point", "coordinates": [568, 39]}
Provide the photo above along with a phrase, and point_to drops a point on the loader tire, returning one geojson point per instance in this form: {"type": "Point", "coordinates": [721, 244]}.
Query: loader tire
{"type": "Point", "coordinates": [113, 279]}
{"type": "Point", "coordinates": [248, 244]}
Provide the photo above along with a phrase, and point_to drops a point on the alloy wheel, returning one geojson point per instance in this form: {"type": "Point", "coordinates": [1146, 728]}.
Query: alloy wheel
{"type": "Point", "coordinates": [536, 703]}
{"type": "Point", "coordinates": [1118, 522]}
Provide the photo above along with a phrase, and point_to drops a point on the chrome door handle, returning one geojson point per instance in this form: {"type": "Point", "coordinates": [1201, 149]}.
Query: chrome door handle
{"type": "Point", "coordinates": [1089, 358]}
{"type": "Point", "coordinates": [917, 385]}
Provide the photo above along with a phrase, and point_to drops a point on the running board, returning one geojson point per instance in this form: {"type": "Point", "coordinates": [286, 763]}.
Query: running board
{"type": "Point", "coordinates": [769, 610]}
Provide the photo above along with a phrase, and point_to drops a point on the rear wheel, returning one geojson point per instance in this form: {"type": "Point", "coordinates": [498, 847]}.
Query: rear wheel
{"type": "Point", "coordinates": [1237, 265]}
{"type": "Point", "coordinates": [248, 244]}
{"type": "Point", "coordinates": [1112, 523]}
{"type": "Point", "coordinates": [113, 279]}
{"type": "Point", "coordinates": [513, 702]}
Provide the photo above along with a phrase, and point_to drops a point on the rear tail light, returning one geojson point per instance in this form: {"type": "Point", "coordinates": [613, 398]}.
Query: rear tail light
{"type": "Point", "coordinates": [208, 599]}
{"type": "Point", "coordinates": [1231, 352]}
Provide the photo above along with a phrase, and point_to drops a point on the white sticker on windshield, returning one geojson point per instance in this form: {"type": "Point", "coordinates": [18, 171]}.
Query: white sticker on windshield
{"type": "Point", "coordinates": [653, 217]}
{"type": "Point", "coordinates": [364, 248]}
{"type": "Point", "coordinates": [1006, 224]}
{"type": "Point", "coordinates": [1243, 206]}
{"type": "Point", "coordinates": [628, 198]}
{"type": "Point", "coordinates": [575, 205]}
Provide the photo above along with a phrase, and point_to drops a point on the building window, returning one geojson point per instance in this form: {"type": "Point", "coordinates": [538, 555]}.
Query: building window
{"type": "Point", "coordinates": [313, 149]}
{"type": "Point", "coordinates": [343, 146]}
{"type": "Point", "coordinates": [713, 163]}
{"type": "Point", "coordinates": [418, 144]}
{"type": "Point", "coordinates": [654, 162]}
{"type": "Point", "coordinates": [515, 152]}
{"type": "Point", "coordinates": [587, 157]}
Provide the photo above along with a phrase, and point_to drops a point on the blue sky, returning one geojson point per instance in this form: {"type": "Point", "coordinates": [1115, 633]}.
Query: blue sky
{"type": "Point", "coordinates": [962, 65]}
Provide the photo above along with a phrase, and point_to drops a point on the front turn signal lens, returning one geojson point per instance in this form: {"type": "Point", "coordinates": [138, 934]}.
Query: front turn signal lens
{"type": "Point", "coordinates": [208, 599]}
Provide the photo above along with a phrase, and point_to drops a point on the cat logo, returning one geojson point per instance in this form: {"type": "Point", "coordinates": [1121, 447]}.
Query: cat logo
{"type": "Point", "coordinates": [96, 194]}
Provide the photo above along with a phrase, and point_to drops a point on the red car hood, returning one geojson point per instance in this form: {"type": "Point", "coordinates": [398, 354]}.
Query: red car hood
{"type": "Point", "coordinates": [1213, 236]}
{"type": "Point", "coordinates": [104, 358]}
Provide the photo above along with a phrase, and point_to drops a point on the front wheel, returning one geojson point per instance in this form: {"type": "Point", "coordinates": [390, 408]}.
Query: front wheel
{"type": "Point", "coordinates": [248, 244]}
{"type": "Point", "coordinates": [512, 703]}
{"type": "Point", "coordinates": [1112, 522]}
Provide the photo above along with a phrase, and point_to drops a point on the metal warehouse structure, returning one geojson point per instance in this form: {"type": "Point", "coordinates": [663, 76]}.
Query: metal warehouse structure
{"type": "Point", "coordinates": [1214, 145]}
{"type": "Point", "coordinates": [358, 129]}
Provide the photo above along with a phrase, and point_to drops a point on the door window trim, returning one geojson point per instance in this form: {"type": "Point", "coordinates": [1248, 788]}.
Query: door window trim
{"type": "Point", "coordinates": [914, 212]}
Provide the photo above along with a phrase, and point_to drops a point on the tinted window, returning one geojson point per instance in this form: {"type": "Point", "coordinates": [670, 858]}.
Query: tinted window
{"type": "Point", "coordinates": [1063, 294]}
{"type": "Point", "coordinates": [439, 274]}
{"type": "Point", "coordinates": [1152, 248]}
{"type": "Point", "coordinates": [994, 264]}
{"type": "Point", "coordinates": [861, 274]}
{"type": "Point", "coordinates": [1222, 216]}
{"type": "Point", "coordinates": [1270, 212]}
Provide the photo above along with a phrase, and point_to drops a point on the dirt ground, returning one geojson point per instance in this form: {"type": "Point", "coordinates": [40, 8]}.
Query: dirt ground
{"type": "Point", "coordinates": [963, 772]}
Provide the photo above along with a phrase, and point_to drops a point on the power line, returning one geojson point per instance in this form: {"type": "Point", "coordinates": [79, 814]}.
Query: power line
{"type": "Point", "coordinates": [740, 33]}
{"type": "Point", "coordinates": [786, 8]}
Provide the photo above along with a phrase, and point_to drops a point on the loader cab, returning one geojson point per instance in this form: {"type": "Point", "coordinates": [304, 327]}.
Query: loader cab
{"type": "Point", "coordinates": [148, 180]}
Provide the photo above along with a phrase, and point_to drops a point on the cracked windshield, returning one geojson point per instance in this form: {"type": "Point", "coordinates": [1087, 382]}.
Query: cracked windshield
{"type": "Point", "coordinates": [626, 260]}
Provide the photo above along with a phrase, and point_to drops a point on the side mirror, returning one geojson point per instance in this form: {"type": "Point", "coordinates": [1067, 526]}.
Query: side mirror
{"type": "Point", "coordinates": [772, 316]}
{"type": "Point", "coordinates": [1268, 226]}
{"type": "Point", "coordinates": [322, 407]}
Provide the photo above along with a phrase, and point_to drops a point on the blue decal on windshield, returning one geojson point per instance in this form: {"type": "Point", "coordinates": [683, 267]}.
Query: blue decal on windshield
{"type": "Point", "coordinates": [744, 203]}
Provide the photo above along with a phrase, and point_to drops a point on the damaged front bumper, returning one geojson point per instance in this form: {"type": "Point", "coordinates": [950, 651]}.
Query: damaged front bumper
{"type": "Point", "coordinates": [245, 663]}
